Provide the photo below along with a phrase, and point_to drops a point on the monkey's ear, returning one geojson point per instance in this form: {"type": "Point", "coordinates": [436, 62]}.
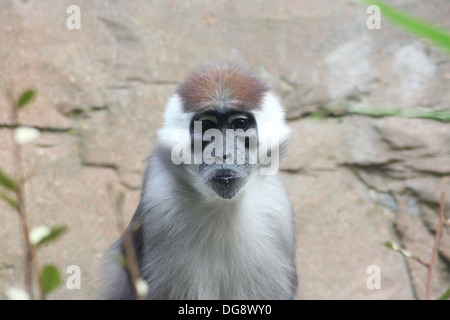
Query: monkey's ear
{"type": "Point", "coordinates": [175, 130]}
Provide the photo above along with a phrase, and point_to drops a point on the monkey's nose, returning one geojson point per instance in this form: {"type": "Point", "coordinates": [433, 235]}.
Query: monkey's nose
{"type": "Point", "coordinates": [226, 156]}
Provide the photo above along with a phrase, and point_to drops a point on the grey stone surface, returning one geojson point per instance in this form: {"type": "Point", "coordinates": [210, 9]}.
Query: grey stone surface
{"type": "Point", "coordinates": [355, 181]}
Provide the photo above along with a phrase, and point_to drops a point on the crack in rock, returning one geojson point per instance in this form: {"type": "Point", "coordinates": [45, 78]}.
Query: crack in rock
{"type": "Point", "coordinates": [110, 166]}
{"type": "Point", "coordinates": [40, 128]}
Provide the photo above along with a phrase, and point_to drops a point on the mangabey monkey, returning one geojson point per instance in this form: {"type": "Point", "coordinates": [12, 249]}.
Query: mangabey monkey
{"type": "Point", "coordinates": [214, 220]}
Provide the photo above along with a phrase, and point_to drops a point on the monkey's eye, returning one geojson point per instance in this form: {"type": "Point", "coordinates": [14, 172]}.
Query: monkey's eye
{"type": "Point", "coordinates": [207, 124]}
{"type": "Point", "coordinates": [240, 123]}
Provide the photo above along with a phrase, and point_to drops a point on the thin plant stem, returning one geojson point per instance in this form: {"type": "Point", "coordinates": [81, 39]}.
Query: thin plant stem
{"type": "Point", "coordinates": [30, 253]}
{"type": "Point", "coordinates": [429, 265]}
{"type": "Point", "coordinates": [131, 262]}
{"type": "Point", "coordinates": [437, 241]}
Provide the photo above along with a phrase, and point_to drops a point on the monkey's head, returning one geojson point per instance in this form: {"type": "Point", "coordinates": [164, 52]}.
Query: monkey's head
{"type": "Point", "coordinates": [224, 126]}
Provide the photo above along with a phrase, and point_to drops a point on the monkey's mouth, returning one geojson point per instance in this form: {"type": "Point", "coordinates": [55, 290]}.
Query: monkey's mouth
{"type": "Point", "coordinates": [225, 175]}
{"type": "Point", "coordinates": [226, 183]}
{"type": "Point", "coordinates": [226, 180]}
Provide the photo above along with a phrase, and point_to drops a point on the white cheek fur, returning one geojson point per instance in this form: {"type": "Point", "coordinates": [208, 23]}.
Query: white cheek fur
{"type": "Point", "coordinates": [271, 121]}
{"type": "Point", "coordinates": [176, 124]}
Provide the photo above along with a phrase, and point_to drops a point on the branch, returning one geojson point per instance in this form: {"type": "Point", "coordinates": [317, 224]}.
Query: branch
{"type": "Point", "coordinates": [429, 265]}
{"type": "Point", "coordinates": [138, 284]}
{"type": "Point", "coordinates": [19, 189]}
{"type": "Point", "coordinates": [437, 241]}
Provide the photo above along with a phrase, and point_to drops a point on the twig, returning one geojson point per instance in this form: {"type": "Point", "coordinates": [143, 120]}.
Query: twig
{"type": "Point", "coordinates": [130, 255]}
{"type": "Point", "coordinates": [429, 265]}
{"type": "Point", "coordinates": [437, 241]}
{"type": "Point", "coordinates": [30, 254]}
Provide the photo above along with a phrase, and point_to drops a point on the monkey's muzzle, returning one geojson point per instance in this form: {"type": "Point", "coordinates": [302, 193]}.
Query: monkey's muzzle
{"type": "Point", "coordinates": [226, 183]}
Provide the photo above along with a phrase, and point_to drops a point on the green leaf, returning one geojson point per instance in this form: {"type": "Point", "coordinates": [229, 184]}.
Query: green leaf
{"type": "Point", "coordinates": [384, 111]}
{"type": "Point", "coordinates": [55, 233]}
{"type": "Point", "coordinates": [396, 247]}
{"type": "Point", "coordinates": [13, 203]}
{"type": "Point", "coordinates": [120, 260]}
{"type": "Point", "coordinates": [438, 36]}
{"type": "Point", "coordinates": [445, 295]}
{"type": "Point", "coordinates": [49, 278]}
{"type": "Point", "coordinates": [319, 114]}
{"type": "Point", "coordinates": [26, 97]}
{"type": "Point", "coordinates": [6, 181]}
{"type": "Point", "coordinates": [390, 245]}
{"type": "Point", "coordinates": [136, 223]}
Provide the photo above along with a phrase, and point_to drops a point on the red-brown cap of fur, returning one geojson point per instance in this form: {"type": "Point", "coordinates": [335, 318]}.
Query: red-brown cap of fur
{"type": "Point", "coordinates": [221, 85]}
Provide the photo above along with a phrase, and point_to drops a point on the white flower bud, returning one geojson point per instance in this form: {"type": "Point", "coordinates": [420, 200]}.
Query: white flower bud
{"type": "Point", "coordinates": [23, 135]}
{"type": "Point", "coordinates": [17, 294]}
{"type": "Point", "coordinates": [39, 233]}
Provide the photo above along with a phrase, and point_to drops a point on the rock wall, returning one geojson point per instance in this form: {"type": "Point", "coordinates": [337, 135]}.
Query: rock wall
{"type": "Point", "coordinates": [355, 181]}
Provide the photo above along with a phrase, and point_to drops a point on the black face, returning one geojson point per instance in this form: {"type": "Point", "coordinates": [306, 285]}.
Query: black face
{"type": "Point", "coordinates": [223, 144]}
